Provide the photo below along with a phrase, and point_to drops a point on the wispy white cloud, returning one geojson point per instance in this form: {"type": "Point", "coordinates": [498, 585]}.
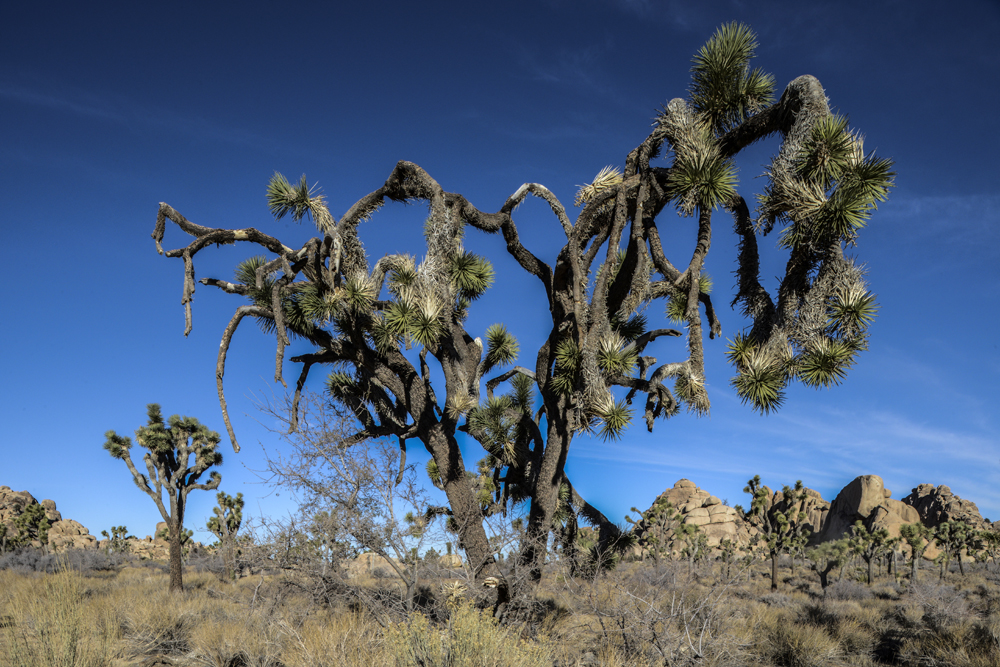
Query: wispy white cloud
{"type": "Point", "coordinates": [122, 110]}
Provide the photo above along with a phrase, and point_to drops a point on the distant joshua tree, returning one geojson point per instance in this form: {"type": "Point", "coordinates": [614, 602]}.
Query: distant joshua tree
{"type": "Point", "coordinates": [224, 525]}
{"type": "Point", "coordinates": [167, 462]}
{"type": "Point", "coordinates": [782, 530]}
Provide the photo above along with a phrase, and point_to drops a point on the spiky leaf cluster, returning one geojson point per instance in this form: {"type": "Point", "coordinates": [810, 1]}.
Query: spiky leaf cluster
{"type": "Point", "coordinates": [568, 359]}
{"type": "Point", "coordinates": [502, 426]}
{"type": "Point", "coordinates": [501, 348]}
{"type": "Point", "coordinates": [284, 198]}
{"type": "Point", "coordinates": [700, 178]}
{"type": "Point", "coordinates": [615, 356]}
{"type": "Point", "coordinates": [614, 418]}
{"type": "Point", "coordinates": [831, 190]}
{"type": "Point", "coordinates": [762, 376]}
{"type": "Point", "coordinates": [724, 90]}
{"type": "Point", "coordinates": [606, 178]}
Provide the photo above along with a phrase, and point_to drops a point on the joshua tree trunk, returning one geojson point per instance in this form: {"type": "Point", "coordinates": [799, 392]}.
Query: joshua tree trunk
{"type": "Point", "coordinates": [176, 567]}
{"type": "Point", "coordinates": [774, 571]}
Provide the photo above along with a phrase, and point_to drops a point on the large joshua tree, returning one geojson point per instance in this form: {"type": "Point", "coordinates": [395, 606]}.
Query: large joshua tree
{"type": "Point", "coordinates": [168, 462]}
{"type": "Point", "coordinates": [381, 327]}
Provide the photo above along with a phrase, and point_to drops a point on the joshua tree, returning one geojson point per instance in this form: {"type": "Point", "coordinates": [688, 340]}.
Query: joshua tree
{"type": "Point", "coordinates": [381, 327]}
{"type": "Point", "coordinates": [659, 525]}
{"type": "Point", "coordinates": [915, 535]}
{"type": "Point", "coordinates": [869, 544]}
{"type": "Point", "coordinates": [779, 519]}
{"type": "Point", "coordinates": [117, 540]}
{"type": "Point", "coordinates": [827, 557]}
{"type": "Point", "coordinates": [32, 524]}
{"type": "Point", "coordinates": [168, 461]}
{"type": "Point", "coordinates": [951, 537]}
{"type": "Point", "coordinates": [228, 515]}
{"type": "Point", "coordinates": [988, 544]}
{"type": "Point", "coordinates": [695, 544]}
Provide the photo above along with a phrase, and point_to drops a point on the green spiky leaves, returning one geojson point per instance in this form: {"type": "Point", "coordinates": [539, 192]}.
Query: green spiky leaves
{"type": "Point", "coordinates": [495, 426]}
{"type": "Point", "coordinates": [606, 178]}
{"type": "Point", "coordinates": [851, 311]}
{"type": "Point", "coordinates": [567, 366]}
{"type": "Point", "coordinates": [724, 90]}
{"type": "Point", "coordinates": [418, 320]}
{"type": "Point", "coordinates": [828, 152]}
{"type": "Point", "coordinates": [690, 389]}
{"type": "Point", "coordinates": [341, 385]}
{"type": "Point", "coordinates": [471, 275]}
{"type": "Point", "coordinates": [832, 190]}
{"type": "Point", "coordinates": [501, 347]}
{"type": "Point", "coordinates": [434, 474]}
{"type": "Point", "coordinates": [614, 416]}
{"type": "Point", "coordinates": [825, 363]}
{"type": "Point", "coordinates": [117, 445]}
{"type": "Point", "coordinates": [629, 329]}
{"type": "Point", "coordinates": [762, 375]}
{"type": "Point", "coordinates": [284, 198]}
{"type": "Point", "coordinates": [615, 356]}
{"type": "Point", "coordinates": [700, 177]}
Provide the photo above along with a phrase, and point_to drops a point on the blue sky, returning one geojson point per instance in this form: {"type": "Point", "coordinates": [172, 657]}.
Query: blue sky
{"type": "Point", "coordinates": [107, 109]}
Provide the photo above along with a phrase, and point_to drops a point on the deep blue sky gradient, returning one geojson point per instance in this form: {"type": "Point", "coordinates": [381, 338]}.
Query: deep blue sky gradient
{"type": "Point", "coordinates": [108, 108]}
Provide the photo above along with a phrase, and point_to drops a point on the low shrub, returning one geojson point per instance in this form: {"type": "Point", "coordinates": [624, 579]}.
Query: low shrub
{"type": "Point", "coordinates": [847, 589]}
{"type": "Point", "coordinates": [471, 638]}
{"type": "Point", "coordinates": [79, 560]}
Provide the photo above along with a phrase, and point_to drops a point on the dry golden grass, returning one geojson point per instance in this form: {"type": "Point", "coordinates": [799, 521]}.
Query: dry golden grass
{"type": "Point", "coordinates": [627, 618]}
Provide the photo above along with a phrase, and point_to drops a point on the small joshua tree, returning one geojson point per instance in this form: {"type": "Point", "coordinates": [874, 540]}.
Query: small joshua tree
{"type": "Point", "coordinates": [167, 462]}
{"type": "Point", "coordinates": [827, 557]}
{"type": "Point", "coordinates": [31, 525]}
{"type": "Point", "coordinates": [869, 544]}
{"type": "Point", "coordinates": [118, 545]}
{"type": "Point", "coordinates": [951, 537]}
{"type": "Point", "coordinates": [224, 525]}
{"type": "Point", "coordinates": [916, 535]}
{"type": "Point", "coordinates": [779, 521]}
{"type": "Point", "coordinates": [659, 527]}
{"type": "Point", "coordinates": [695, 543]}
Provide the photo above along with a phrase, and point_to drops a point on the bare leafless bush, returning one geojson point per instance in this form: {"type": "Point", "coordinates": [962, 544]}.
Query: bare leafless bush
{"type": "Point", "coordinates": [665, 616]}
{"type": "Point", "coordinates": [848, 589]}
{"type": "Point", "coordinates": [942, 605]}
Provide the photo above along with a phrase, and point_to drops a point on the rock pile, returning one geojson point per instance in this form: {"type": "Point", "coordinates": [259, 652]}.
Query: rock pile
{"type": "Point", "coordinates": [865, 498]}
{"type": "Point", "coordinates": [698, 507]}
{"type": "Point", "coordinates": [63, 534]}
{"type": "Point", "coordinates": [936, 504]}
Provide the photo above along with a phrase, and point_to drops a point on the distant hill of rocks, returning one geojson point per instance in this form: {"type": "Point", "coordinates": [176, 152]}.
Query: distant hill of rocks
{"type": "Point", "coordinates": [65, 534]}
{"type": "Point", "coordinates": [864, 498]}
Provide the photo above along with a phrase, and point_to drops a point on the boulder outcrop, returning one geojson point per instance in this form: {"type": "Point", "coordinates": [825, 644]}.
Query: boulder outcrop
{"type": "Point", "coordinates": [369, 565]}
{"type": "Point", "coordinates": [865, 498]}
{"type": "Point", "coordinates": [698, 507]}
{"type": "Point", "coordinates": [936, 504]}
{"type": "Point", "coordinates": [63, 534]}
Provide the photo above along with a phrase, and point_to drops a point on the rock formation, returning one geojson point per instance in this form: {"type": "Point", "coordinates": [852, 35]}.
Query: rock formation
{"type": "Point", "coordinates": [698, 507]}
{"type": "Point", "coordinates": [867, 499]}
{"type": "Point", "coordinates": [936, 504]}
{"type": "Point", "coordinates": [368, 565]}
{"type": "Point", "coordinates": [63, 534]}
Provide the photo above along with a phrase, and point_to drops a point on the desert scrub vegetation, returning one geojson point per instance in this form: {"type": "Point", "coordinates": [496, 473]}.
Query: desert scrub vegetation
{"type": "Point", "coordinates": [640, 614]}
